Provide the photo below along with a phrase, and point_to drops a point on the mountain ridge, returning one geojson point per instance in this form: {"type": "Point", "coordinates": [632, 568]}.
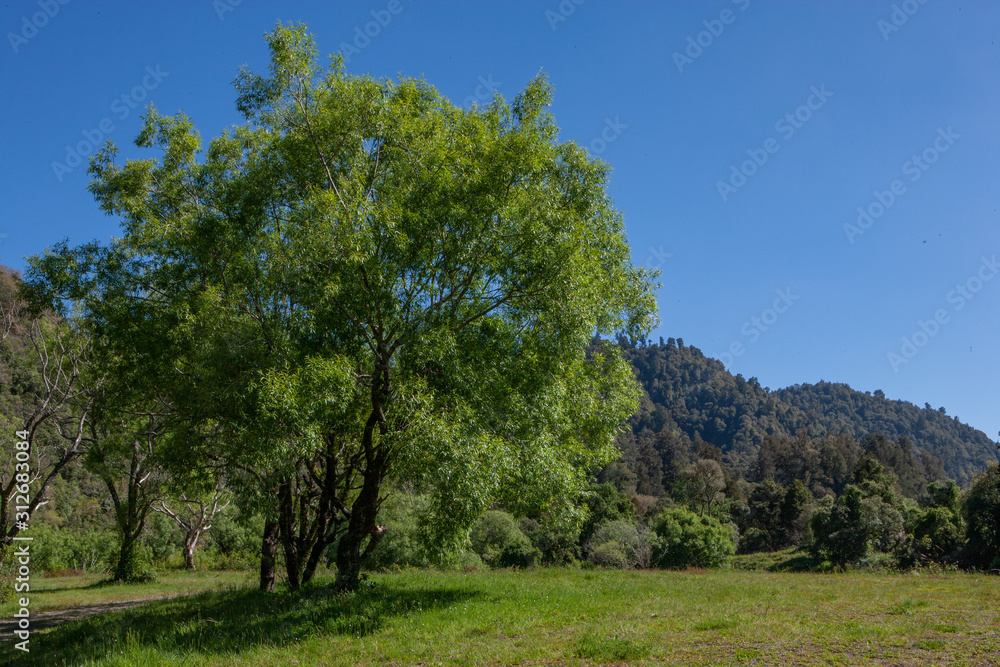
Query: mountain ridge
{"type": "Point", "coordinates": [691, 397]}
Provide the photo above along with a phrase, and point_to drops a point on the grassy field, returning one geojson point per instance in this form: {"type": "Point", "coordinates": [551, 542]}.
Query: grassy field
{"type": "Point", "coordinates": [62, 592]}
{"type": "Point", "coordinates": [545, 616]}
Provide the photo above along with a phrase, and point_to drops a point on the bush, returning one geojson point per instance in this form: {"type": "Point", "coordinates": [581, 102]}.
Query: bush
{"type": "Point", "coordinates": [688, 540]}
{"type": "Point", "coordinates": [6, 573]}
{"type": "Point", "coordinates": [65, 549]}
{"type": "Point", "coordinates": [137, 568]}
{"type": "Point", "coordinates": [604, 503]}
{"type": "Point", "coordinates": [164, 539]}
{"type": "Point", "coordinates": [622, 544]}
{"type": "Point", "coordinates": [556, 545]}
{"type": "Point", "coordinates": [497, 539]}
{"type": "Point", "coordinates": [611, 554]}
{"type": "Point", "coordinates": [233, 543]}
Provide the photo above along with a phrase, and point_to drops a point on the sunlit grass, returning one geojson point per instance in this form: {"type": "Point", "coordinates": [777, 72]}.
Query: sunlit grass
{"type": "Point", "coordinates": [554, 616]}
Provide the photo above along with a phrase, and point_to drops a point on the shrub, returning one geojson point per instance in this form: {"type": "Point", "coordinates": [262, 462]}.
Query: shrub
{"type": "Point", "coordinates": [498, 540]}
{"type": "Point", "coordinates": [556, 545]}
{"type": "Point", "coordinates": [687, 539]}
{"type": "Point", "coordinates": [622, 544]}
{"type": "Point", "coordinates": [164, 540]}
{"type": "Point", "coordinates": [604, 503]}
{"type": "Point", "coordinates": [64, 549]}
{"type": "Point", "coordinates": [233, 543]}
{"type": "Point", "coordinates": [137, 567]}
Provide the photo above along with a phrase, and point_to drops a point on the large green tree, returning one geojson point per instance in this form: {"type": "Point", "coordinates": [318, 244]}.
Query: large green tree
{"type": "Point", "coordinates": [363, 285]}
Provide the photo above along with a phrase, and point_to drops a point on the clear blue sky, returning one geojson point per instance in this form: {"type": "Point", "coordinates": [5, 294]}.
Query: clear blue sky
{"type": "Point", "coordinates": [833, 100]}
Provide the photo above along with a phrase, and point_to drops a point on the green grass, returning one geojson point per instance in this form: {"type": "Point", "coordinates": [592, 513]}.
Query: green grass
{"type": "Point", "coordinates": [78, 591]}
{"type": "Point", "coordinates": [549, 616]}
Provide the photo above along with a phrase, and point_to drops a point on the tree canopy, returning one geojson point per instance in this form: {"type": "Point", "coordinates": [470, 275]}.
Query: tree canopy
{"type": "Point", "coordinates": [364, 286]}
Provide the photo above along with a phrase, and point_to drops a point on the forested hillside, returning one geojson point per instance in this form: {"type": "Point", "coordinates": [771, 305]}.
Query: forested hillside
{"type": "Point", "coordinates": [691, 399]}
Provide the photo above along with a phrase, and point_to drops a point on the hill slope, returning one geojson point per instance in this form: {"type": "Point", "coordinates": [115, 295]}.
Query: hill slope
{"type": "Point", "coordinates": [690, 397]}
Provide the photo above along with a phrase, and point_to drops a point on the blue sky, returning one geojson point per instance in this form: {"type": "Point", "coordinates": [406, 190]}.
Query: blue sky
{"type": "Point", "coordinates": [744, 135]}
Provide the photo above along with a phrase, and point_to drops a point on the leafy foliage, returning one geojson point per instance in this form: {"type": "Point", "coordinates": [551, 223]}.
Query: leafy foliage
{"type": "Point", "coordinates": [982, 512]}
{"type": "Point", "coordinates": [498, 540]}
{"type": "Point", "coordinates": [621, 544]}
{"type": "Point", "coordinates": [689, 540]}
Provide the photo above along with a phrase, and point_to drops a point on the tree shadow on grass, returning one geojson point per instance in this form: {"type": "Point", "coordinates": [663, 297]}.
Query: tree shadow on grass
{"type": "Point", "coordinates": [233, 622]}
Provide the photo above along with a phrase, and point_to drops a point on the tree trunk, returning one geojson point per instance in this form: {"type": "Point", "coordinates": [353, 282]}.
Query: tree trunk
{"type": "Point", "coordinates": [190, 542]}
{"type": "Point", "coordinates": [124, 570]}
{"type": "Point", "coordinates": [286, 533]}
{"type": "Point", "coordinates": [313, 562]}
{"type": "Point", "coordinates": [268, 556]}
{"type": "Point", "coordinates": [361, 526]}
{"type": "Point", "coordinates": [364, 509]}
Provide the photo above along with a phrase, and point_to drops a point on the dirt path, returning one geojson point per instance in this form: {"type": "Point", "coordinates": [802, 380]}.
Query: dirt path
{"type": "Point", "coordinates": [44, 620]}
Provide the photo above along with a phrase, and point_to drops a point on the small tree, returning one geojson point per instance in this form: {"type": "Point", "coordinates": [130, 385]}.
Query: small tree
{"type": "Point", "coordinates": [124, 456]}
{"type": "Point", "coordinates": [706, 480]}
{"type": "Point", "coordinates": [196, 517]}
{"type": "Point", "coordinates": [848, 529]}
{"type": "Point", "coordinates": [45, 417]}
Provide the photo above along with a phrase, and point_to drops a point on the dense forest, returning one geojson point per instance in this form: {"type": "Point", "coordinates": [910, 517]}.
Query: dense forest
{"type": "Point", "coordinates": [690, 399]}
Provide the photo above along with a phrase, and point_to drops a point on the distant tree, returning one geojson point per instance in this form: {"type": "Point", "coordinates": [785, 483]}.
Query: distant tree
{"type": "Point", "coordinates": [936, 527]}
{"type": "Point", "coordinates": [705, 482]}
{"type": "Point", "coordinates": [866, 517]}
{"type": "Point", "coordinates": [794, 513]}
{"type": "Point", "coordinates": [982, 514]}
{"type": "Point", "coordinates": [762, 530]}
{"type": "Point", "coordinates": [195, 519]}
